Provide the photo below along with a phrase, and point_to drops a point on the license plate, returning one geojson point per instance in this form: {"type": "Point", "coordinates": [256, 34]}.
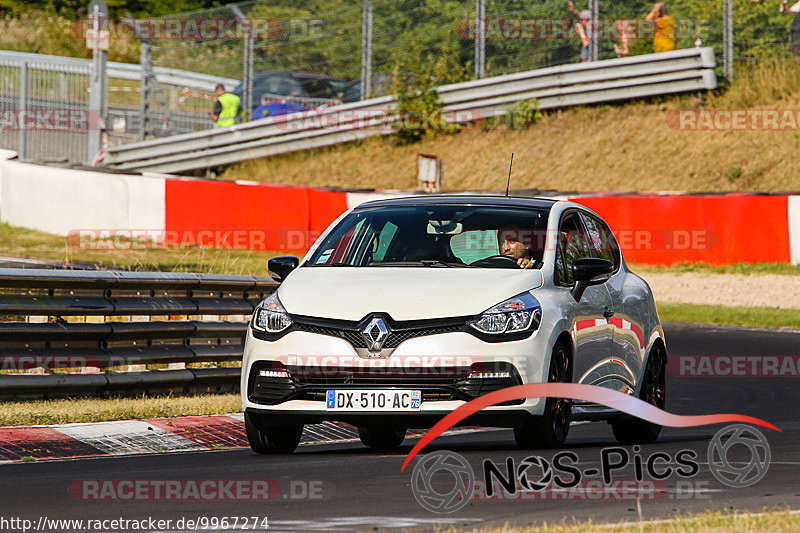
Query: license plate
{"type": "Point", "coordinates": [373, 400]}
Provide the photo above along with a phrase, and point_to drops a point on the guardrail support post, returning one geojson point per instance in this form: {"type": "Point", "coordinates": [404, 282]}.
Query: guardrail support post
{"type": "Point", "coordinates": [146, 60]}
{"type": "Point", "coordinates": [727, 39]}
{"type": "Point", "coordinates": [366, 49]}
{"type": "Point", "coordinates": [247, 62]}
{"type": "Point", "coordinates": [22, 148]}
{"type": "Point", "coordinates": [594, 7]}
{"type": "Point", "coordinates": [480, 39]}
{"type": "Point", "coordinates": [98, 13]}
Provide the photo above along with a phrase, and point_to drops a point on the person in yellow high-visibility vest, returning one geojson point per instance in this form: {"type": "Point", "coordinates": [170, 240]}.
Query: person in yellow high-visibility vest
{"type": "Point", "coordinates": [226, 108]}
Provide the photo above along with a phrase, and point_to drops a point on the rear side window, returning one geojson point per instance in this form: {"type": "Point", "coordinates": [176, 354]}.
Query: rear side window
{"type": "Point", "coordinates": [573, 243]}
{"type": "Point", "coordinates": [601, 239]}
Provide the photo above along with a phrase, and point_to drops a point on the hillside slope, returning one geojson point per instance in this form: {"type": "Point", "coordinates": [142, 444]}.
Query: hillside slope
{"type": "Point", "coordinates": [626, 147]}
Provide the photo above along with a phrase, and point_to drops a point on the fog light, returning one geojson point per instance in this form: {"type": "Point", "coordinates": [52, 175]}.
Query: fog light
{"type": "Point", "coordinates": [490, 375]}
{"type": "Point", "coordinates": [273, 374]}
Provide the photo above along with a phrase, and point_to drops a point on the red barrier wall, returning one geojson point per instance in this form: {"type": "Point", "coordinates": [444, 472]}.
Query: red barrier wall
{"type": "Point", "coordinates": [720, 230]}
{"type": "Point", "coordinates": [258, 216]}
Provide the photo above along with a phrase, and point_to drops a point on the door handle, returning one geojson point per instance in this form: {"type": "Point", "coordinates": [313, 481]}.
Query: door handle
{"type": "Point", "coordinates": [608, 313]}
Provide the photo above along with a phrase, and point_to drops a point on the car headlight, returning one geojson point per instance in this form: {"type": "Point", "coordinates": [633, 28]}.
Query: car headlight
{"type": "Point", "coordinates": [270, 316]}
{"type": "Point", "coordinates": [515, 315]}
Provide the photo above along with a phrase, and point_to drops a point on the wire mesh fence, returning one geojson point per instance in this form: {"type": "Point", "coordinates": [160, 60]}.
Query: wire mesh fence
{"type": "Point", "coordinates": [44, 110]}
{"type": "Point", "coordinates": [303, 54]}
{"type": "Point", "coordinates": [315, 52]}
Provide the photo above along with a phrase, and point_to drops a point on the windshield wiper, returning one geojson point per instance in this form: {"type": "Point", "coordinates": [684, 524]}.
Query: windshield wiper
{"type": "Point", "coordinates": [423, 262]}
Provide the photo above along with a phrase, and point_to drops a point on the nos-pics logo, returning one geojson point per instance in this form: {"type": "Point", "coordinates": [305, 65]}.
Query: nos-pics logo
{"type": "Point", "coordinates": [444, 482]}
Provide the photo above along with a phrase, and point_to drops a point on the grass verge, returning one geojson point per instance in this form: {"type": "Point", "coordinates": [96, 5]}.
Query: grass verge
{"type": "Point", "coordinates": [46, 412]}
{"type": "Point", "coordinates": [631, 146]}
{"type": "Point", "coordinates": [711, 522]}
{"type": "Point", "coordinates": [784, 269]}
{"type": "Point", "coordinates": [752, 317]}
{"type": "Point", "coordinates": [21, 242]}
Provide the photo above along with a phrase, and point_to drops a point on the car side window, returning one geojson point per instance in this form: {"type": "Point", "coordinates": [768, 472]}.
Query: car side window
{"type": "Point", "coordinates": [600, 240]}
{"type": "Point", "coordinates": [572, 245]}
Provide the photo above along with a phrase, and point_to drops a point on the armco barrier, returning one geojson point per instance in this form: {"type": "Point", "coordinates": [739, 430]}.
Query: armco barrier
{"type": "Point", "coordinates": [264, 213]}
{"type": "Point", "coordinates": [720, 230]}
{"type": "Point", "coordinates": [678, 71]}
{"type": "Point", "coordinates": [65, 348]}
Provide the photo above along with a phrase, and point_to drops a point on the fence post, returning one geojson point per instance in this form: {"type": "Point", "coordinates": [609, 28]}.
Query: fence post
{"type": "Point", "coordinates": [98, 12]}
{"type": "Point", "coordinates": [593, 30]}
{"type": "Point", "coordinates": [727, 39]}
{"type": "Point", "coordinates": [146, 61]}
{"type": "Point", "coordinates": [247, 62]}
{"type": "Point", "coordinates": [366, 49]}
{"type": "Point", "coordinates": [480, 39]}
{"type": "Point", "coordinates": [22, 148]}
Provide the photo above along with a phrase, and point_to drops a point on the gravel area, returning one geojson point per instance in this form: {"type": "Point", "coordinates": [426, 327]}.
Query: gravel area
{"type": "Point", "coordinates": [756, 290]}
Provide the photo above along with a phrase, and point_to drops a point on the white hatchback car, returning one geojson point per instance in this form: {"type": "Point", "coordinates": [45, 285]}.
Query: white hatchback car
{"type": "Point", "coordinates": [405, 309]}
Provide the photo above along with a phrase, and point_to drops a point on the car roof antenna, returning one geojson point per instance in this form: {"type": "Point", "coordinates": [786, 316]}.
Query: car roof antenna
{"type": "Point", "coordinates": [508, 183]}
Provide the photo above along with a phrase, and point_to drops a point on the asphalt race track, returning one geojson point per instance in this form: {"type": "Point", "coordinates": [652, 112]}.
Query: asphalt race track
{"type": "Point", "coordinates": [357, 490]}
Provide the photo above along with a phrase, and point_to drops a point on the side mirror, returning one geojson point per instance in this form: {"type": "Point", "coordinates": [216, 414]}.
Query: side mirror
{"type": "Point", "coordinates": [282, 266]}
{"type": "Point", "coordinates": [586, 270]}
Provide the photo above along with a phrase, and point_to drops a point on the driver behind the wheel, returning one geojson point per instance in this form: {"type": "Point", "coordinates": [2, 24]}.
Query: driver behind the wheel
{"type": "Point", "coordinates": [511, 246]}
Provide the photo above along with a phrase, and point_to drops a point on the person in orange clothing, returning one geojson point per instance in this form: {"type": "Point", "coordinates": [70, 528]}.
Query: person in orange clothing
{"type": "Point", "coordinates": [664, 39]}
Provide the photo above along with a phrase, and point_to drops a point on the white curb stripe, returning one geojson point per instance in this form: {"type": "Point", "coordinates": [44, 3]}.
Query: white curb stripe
{"type": "Point", "coordinates": [794, 230]}
{"type": "Point", "coordinates": [127, 437]}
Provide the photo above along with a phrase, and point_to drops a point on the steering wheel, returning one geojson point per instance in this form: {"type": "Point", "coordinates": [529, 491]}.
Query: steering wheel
{"type": "Point", "coordinates": [492, 261]}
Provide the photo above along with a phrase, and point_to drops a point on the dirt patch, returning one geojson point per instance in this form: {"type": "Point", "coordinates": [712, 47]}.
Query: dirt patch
{"type": "Point", "coordinates": [762, 290]}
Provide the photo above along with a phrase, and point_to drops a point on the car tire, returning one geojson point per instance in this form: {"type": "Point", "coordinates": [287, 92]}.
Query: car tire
{"type": "Point", "coordinates": [383, 437]}
{"type": "Point", "coordinates": [271, 439]}
{"type": "Point", "coordinates": [636, 430]}
{"type": "Point", "coordinates": [551, 428]}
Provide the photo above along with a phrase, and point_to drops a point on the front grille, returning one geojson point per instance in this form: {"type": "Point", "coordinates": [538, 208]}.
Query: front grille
{"type": "Point", "coordinates": [394, 339]}
{"type": "Point", "coordinates": [352, 336]}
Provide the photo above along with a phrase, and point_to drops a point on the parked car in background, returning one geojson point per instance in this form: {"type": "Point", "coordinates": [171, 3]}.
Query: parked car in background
{"type": "Point", "coordinates": [299, 88]}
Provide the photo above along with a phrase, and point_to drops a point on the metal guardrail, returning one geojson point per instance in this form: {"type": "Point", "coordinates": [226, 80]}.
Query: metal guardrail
{"type": "Point", "coordinates": [587, 83]}
{"type": "Point", "coordinates": [66, 349]}
{"type": "Point", "coordinates": [126, 71]}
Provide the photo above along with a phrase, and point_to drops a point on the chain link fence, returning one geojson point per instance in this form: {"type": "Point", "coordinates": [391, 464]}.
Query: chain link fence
{"type": "Point", "coordinates": [44, 110]}
{"type": "Point", "coordinates": [302, 54]}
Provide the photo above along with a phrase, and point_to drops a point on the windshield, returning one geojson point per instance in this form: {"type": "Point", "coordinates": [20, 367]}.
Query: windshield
{"type": "Point", "coordinates": [436, 236]}
{"type": "Point", "coordinates": [324, 87]}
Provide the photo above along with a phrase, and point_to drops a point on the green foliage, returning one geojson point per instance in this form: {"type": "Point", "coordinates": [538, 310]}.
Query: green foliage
{"type": "Point", "coordinates": [414, 82]}
{"type": "Point", "coordinates": [733, 174]}
{"type": "Point", "coordinates": [324, 36]}
{"type": "Point", "coordinates": [73, 9]}
{"type": "Point", "coordinates": [525, 113]}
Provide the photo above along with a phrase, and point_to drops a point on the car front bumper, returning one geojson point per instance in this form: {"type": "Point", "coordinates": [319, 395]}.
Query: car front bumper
{"type": "Point", "coordinates": [311, 352]}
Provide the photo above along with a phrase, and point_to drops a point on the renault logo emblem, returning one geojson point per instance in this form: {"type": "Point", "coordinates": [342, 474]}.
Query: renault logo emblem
{"type": "Point", "coordinates": [375, 334]}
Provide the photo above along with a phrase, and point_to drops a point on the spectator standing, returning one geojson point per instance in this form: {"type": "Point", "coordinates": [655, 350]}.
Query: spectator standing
{"type": "Point", "coordinates": [583, 28]}
{"type": "Point", "coordinates": [664, 38]}
{"type": "Point", "coordinates": [621, 47]}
